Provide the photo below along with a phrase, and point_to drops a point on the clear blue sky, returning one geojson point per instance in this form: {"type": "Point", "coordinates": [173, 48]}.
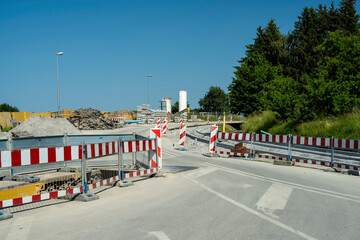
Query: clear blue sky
{"type": "Point", "coordinates": [110, 46]}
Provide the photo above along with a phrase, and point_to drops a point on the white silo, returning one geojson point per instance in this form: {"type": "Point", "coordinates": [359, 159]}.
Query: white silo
{"type": "Point", "coordinates": [168, 104]}
{"type": "Point", "coordinates": [182, 100]}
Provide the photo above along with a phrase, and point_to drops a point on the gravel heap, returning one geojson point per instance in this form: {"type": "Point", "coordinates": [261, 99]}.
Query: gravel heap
{"type": "Point", "coordinates": [44, 126]}
{"type": "Point", "coordinates": [91, 120]}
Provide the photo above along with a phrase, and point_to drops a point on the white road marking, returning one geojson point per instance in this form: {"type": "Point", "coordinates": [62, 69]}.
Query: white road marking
{"type": "Point", "coordinates": [201, 172]}
{"type": "Point", "coordinates": [20, 228]}
{"type": "Point", "coordinates": [252, 211]}
{"type": "Point", "coordinates": [171, 153]}
{"type": "Point", "coordinates": [275, 198]}
{"type": "Point", "coordinates": [293, 185]}
{"type": "Point", "coordinates": [160, 235]}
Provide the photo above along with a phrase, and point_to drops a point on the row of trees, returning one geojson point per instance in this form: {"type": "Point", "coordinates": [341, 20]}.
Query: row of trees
{"type": "Point", "coordinates": [312, 71]}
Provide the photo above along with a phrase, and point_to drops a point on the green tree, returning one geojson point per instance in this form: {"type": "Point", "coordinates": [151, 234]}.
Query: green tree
{"type": "Point", "coordinates": [339, 71]}
{"type": "Point", "coordinates": [7, 108]}
{"type": "Point", "coordinates": [348, 19]}
{"type": "Point", "coordinates": [280, 96]}
{"type": "Point", "coordinates": [175, 107]}
{"type": "Point", "coordinates": [215, 100]}
{"type": "Point", "coordinates": [249, 83]}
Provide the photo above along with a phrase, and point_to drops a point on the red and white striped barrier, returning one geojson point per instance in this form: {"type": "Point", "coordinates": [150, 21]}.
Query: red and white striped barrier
{"type": "Point", "coordinates": [230, 118]}
{"type": "Point", "coordinates": [347, 143]}
{"type": "Point", "coordinates": [182, 135]}
{"type": "Point", "coordinates": [118, 119]}
{"type": "Point", "coordinates": [138, 146]}
{"type": "Point", "coordinates": [156, 133]}
{"type": "Point", "coordinates": [180, 121]}
{"type": "Point", "coordinates": [101, 149]}
{"type": "Point", "coordinates": [234, 136]}
{"type": "Point", "coordinates": [314, 162]}
{"type": "Point", "coordinates": [118, 178]}
{"type": "Point", "coordinates": [213, 137]}
{"type": "Point", "coordinates": [219, 119]}
{"type": "Point", "coordinates": [158, 123]}
{"type": "Point", "coordinates": [309, 141]}
{"type": "Point", "coordinates": [35, 156]}
{"type": "Point", "coordinates": [63, 193]}
{"type": "Point", "coordinates": [39, 197]}
{"type": "Point", "coordinates": [208, 119]}
{"type": "Point", "coordinates": [165, 125]}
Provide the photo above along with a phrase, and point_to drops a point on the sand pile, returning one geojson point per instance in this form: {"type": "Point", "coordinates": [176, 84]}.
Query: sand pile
{"type": "Point", "coordinates": [44, 126]}
{"type": "Point", "coordinates": [128, 115]}
{"type": "Point", "coordinates": [91, 120]}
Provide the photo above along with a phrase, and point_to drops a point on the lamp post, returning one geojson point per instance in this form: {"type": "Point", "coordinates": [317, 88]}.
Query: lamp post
{"type": "Point", "coordinates": [148, 76]}
{"type": "Point", "coordinates": [57, 69]}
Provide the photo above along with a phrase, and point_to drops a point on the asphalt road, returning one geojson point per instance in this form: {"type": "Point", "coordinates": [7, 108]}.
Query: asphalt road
{"type": "Point", "coordinates": [223, 198]}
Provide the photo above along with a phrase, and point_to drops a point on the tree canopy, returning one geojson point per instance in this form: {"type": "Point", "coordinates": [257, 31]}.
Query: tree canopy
{"type": "Point", "coordinates": [311, 72]}
{"type": "Point", "coordinates": [215, 100]}
{"type": "Point", "coordinates": [7, 108]}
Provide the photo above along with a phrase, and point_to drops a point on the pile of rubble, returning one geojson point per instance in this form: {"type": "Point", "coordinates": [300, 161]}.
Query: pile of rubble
{"type": "Point", "coordinates": [43, 126]}
{"type": "Point", "coordinates": [91, 119]}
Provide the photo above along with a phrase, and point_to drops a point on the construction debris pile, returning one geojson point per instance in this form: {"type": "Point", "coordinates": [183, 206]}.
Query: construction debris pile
{"type": "Point", "coordinates": [43, 126]}
{"type": "Point", "coordinates": [91, 119]}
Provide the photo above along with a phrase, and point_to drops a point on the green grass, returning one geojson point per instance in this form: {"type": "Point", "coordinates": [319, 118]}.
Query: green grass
{"type": "Point", "coordinates": [228, 128]}
{"type": "Point", "coordinates": [257, 122]}
{"type": "Point", "coordinates": [6, 129]}
{"type": "Point", "coordinates": [344, 126]}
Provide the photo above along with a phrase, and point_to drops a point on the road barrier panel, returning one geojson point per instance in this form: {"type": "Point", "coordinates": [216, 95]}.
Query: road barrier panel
{"type": "Point", "coordinates": [89, 166]}
{"type": "Point", "coordinates": [165, 126]}
{"type": "Point", "coordinates": [182, 137]}
{"type": "Point", "coordinates": [290, 141]}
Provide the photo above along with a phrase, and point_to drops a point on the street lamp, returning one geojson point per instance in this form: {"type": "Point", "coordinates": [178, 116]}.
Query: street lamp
{"type": "Point", "coordinates": [57, 69]}
{"type": "Point", "coordinates": [148, 76]}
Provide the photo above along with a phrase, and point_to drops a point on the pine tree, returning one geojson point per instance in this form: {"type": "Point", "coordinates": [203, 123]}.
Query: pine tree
{"type": "Point", "coordinates": [348, 19]}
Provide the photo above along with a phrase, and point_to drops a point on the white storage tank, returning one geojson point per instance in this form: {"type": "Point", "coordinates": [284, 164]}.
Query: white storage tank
{"type": "Point", "coordinates": [182, 100]}
{"type": "Point", "coordinates": [168, 104]}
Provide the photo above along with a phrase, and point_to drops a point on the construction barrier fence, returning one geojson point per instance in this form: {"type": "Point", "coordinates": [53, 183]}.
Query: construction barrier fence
{"type": "Point", "coordinates": [289, 141]}
{"type": "Point", "coordinates": [39, 173]}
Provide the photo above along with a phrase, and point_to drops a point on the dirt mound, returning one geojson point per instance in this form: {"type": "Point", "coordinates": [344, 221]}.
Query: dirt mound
{"type": "Point", "coordinates": [128, 115]}
{"type": "Point", "coordinates": [44, 126]}
{"type": "Point", "coordinates": [91, 120]}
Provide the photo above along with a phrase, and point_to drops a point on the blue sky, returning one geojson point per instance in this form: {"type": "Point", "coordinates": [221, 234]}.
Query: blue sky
{"type": "Point", "coordinates": [110, 46]}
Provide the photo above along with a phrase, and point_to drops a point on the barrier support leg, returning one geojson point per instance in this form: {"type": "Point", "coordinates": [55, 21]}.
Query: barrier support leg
{"type": "Point", "coordinates": [85, 196]}
{"type": "Point", "coordinates": [122, 182]}
{"type": "Point", "coordinates": [134, 153]}
{"type": "Point", "coordinates": [332, 151]}
{"type": "Point", "coordinates": [289, 147]}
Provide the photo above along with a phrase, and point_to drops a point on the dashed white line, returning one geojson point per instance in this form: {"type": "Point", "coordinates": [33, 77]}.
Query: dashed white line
{"type": "Point", "coordinates": [275, 198]}
{"type": "Point", "coordinates": [160, 235]}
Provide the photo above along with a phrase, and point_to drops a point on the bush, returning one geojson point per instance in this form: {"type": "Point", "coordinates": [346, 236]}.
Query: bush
{"type": "Point", "coordinates": [261, 121]}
